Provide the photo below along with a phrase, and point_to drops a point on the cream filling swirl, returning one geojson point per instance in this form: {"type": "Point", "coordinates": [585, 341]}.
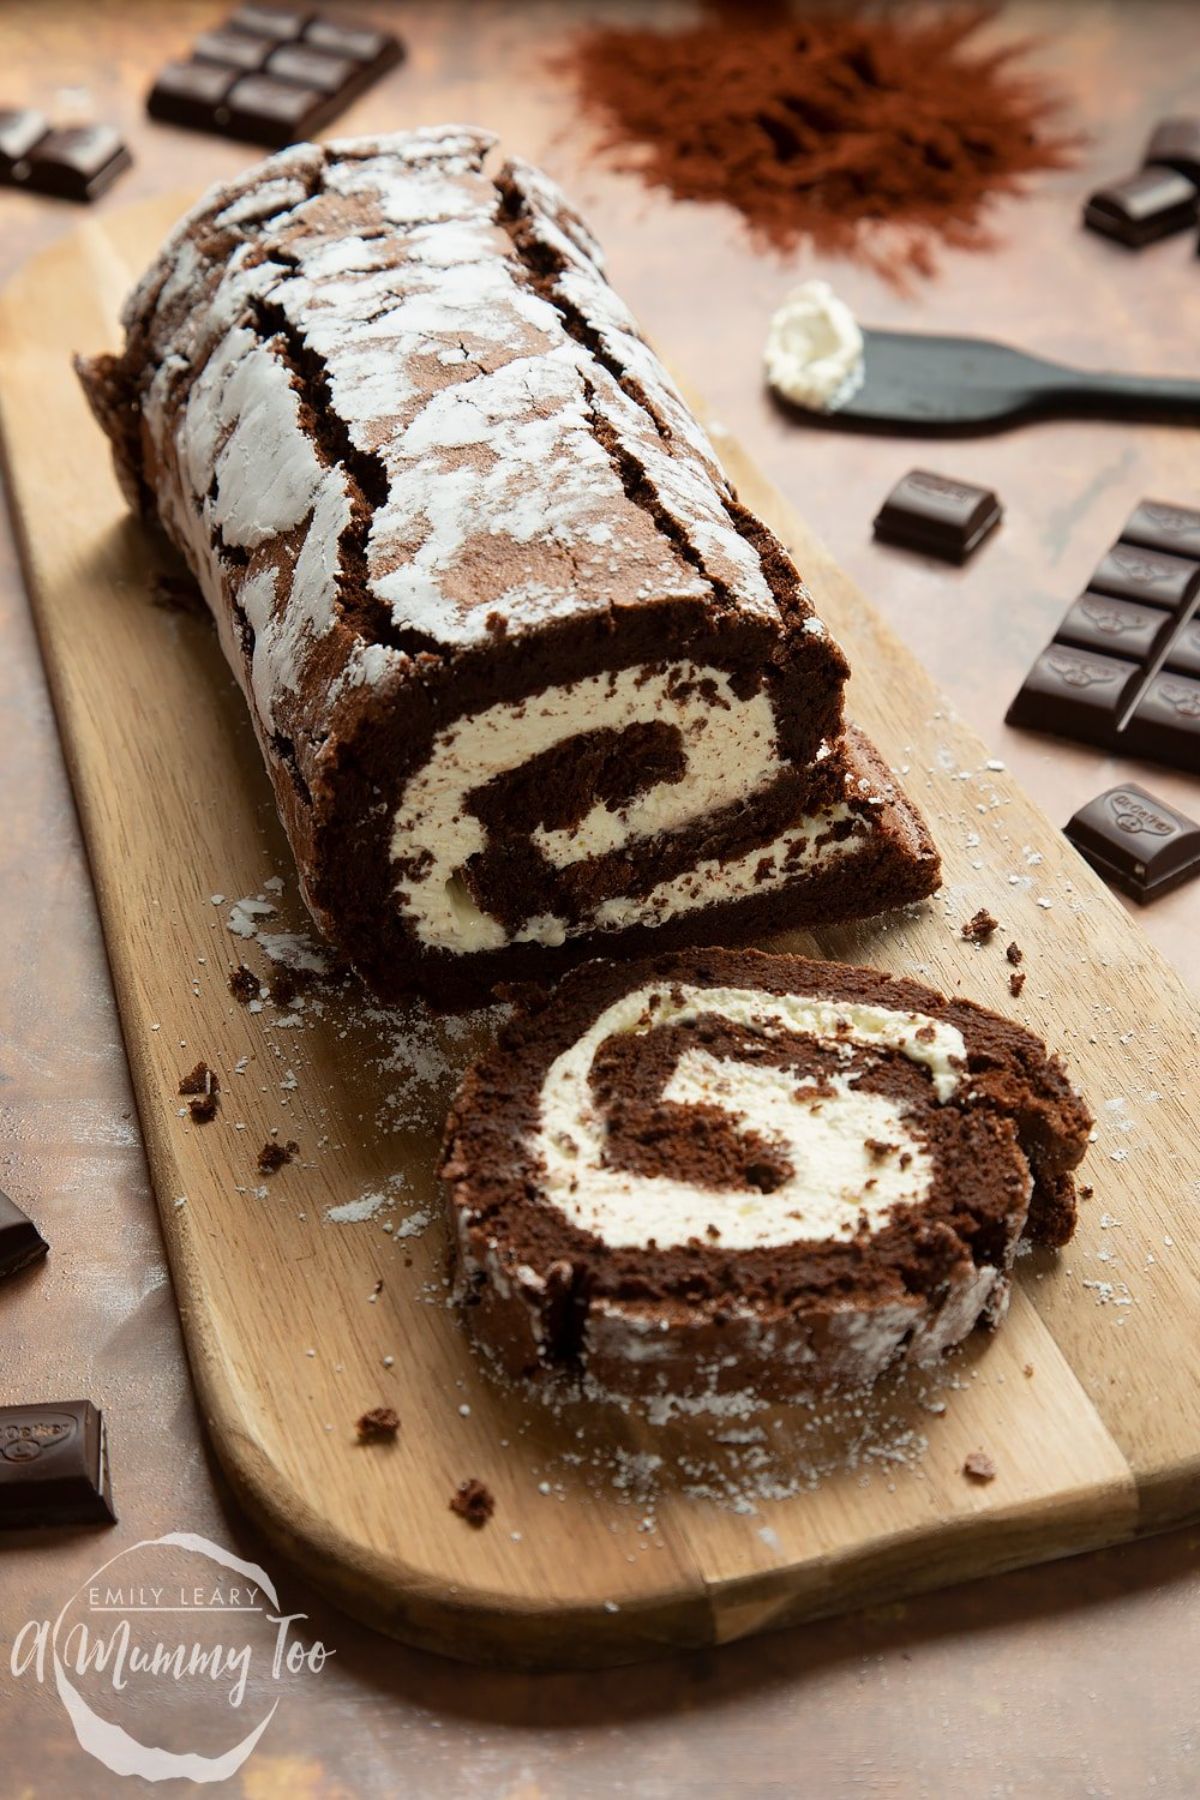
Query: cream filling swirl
{"type": "Point", "coordinates": [825, 1135]}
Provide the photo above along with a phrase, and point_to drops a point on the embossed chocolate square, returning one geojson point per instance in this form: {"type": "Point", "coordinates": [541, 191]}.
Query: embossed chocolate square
{"type": "Point", "coordinates": [1130, 572]}
{"type": "Point", "coordinates": [1076, 694]}
{"type": "Point", "coordinates": [1157, 525]}
{"type": "Point", "coordinates": [1137, 843]}
{"type": "Point", "coordinates": [54, 1466]}
{"type": "Point", "coordinates": [1165, 724]}
{"type": "Point", "coordinates": [937, 515]}
{"type": "Point", "coordinates": [1115, 627]}
{"type": "Point", "coordinates": [1183, 658]}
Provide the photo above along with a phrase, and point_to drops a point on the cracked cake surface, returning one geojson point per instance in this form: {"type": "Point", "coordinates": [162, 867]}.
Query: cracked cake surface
{"type": "Point", "coordinates": [719, 1171]}
{"type": "Point", "coordinates": [524, 671]}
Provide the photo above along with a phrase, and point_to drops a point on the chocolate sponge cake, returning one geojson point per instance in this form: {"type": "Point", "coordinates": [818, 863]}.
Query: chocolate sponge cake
{"type": "Point", "coordinates": [525, 674]}
{"type": "Point", "coordinates": [720, 1172]}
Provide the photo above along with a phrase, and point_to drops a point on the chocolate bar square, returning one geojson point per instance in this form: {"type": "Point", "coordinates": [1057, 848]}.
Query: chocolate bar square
{"type": "Point", "coordinates": [233, 49]}
{"type": "Point", "coordinates": [1137, 843]}
{"type": "Point", "coordinates": [937, 515]}
{"type": "Point", "coordinates": [1183, 658]}
{"type": "Point", "coordinates": [1156, 525]}
{"type": "Point", "coordinates": [1076, 694]}
{"type": "Point", "coordinates": [283, 24]}
{"type": "Point", "coordinates": [269, 111]}
{"type": "Point", "coordinates": [192, 93]}
{"type": "Point", "coordinates": [20, 130]}
{"type": "Point", "coordinates": [54, 1466]}
{"type": "Point", "coordinates": [1116, 627]}
{"type": "Point", "coordinates": [310, 68]}
{"type": "Point", "coordinates": [1165, 724]}
{"type": "Point", "coordinates": [1132, 573]}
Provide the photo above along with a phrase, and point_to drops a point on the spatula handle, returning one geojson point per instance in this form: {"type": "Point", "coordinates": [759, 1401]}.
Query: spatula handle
{"type": "Point", "coordinates": [1093, 394]}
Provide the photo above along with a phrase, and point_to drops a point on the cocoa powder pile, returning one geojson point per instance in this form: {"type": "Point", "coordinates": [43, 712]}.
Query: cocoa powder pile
{"type": "Point", "coordinates": [874, 134]}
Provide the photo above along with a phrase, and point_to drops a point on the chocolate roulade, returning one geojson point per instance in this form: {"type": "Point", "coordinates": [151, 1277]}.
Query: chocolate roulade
{"type": "Point", "coordinates": [722, 1172]}
{"type": "Point", "coordinates": [524, 672]}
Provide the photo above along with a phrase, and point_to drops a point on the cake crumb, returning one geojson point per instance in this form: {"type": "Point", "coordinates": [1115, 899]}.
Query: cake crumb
{"type": "Point", "coordinates": [204, 1087]}
{"type": "Point", "coordinates": [273, 1155]}
{"type": "Point", "coordinates": [1015, 954]}
{"type": "Point", "coordinates": [979, 929]}
{"type": "Point", "coordinates": [979, 1467]}
{"type": "Point", "coordinates": [378, 1426]}
{"type": "Point", "coordinates": [1086, 1191]}
{"type": "Point", "coordinates": [1016, 982]}
{"type": "Point", "coordinates": [244, 985]}
{"type": "Point", "coordinates": [1027, 1370]}
{"type": "Point", "coordinates": [473, 1501]}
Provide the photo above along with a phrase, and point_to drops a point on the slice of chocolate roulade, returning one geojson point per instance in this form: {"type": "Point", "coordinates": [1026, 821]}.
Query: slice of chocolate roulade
{"type": "Point", "coordinates": [525, 674]}
{"type": "Point", "coordinates": [719, 1172]}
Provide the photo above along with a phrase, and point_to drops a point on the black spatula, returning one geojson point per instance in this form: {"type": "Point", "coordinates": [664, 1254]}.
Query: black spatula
{"type": "Point", "coordinates": [956, 386]}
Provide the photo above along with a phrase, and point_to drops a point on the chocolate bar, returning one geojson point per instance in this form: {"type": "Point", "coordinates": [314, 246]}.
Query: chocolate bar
{"type": "Point", "coordinates": [1123, 670]}
{"type": "Point", "coordinates": [1144, 207]}
{"type": "Point", "coordinates": [21, 1243]}
{"type": "Point", "coordinates": [1175, 144]}
{"type": "Point", "coordinates": [54, 1466]}
{"type": "Point", "coordinates": [1137, 843]}
{"type": "Point", "coordinates": [272, 75]}
{"type": "Point", "coordinates": [936, 515]}
{"type": "Point", "coordinates": [79, 163]}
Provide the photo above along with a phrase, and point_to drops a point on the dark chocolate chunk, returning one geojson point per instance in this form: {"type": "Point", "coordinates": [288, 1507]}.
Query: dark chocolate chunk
{"type": "Point", "coordinates": [1165, 723]}
{"type": "Point", "coordinates": [1184, 655]}
{"type": "Point", "coordinates": [1117, 627]}
{"type": "Point", "coordinates": [54, 1466]}
{"type": "Point", "coordinates": [1144, 207]}
{"type": "Point", "coordinates": [272, 74]}
{"type": "Point", "coordinates": [1130, 572]}
{"type": "Point", "coordinates": [1075, 694]}
{"type": "Point", "coordinates": [1175, 530]}
{"type": "Point", "coordinates": [76, 164]}
{"type": "Point", "coordinates": [19, 132]}
{"type": "Point", "coordinates": [21, 1243]}
{"type": "Point", "coordinates": [1137, 843]}
{"type": "Point", "coordinates": [193, 94]}
{"type": "Point", "coordinates": [1175, 144]}
{"type": "Point", "coordinates": [936, 515]}
{"type": "Point", "coordinates": [235, 49]}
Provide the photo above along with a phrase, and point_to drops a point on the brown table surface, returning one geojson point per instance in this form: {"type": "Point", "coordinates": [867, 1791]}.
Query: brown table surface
{"type": "Point", "coordinates": [1076, 1678]}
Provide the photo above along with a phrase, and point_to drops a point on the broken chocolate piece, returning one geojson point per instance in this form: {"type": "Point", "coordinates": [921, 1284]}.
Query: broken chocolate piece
{"type": "Point", "coordinates": [77, 163]}
{"type": "Point", "coordinates": [21, 1243]}
{"type": "Point", "coordinates": [938, 516]}
{"type": "Point", "coordinates": [1139, 844]}
{"type": "Point", "coordinates": [54, 1466]}
{"type": "Point", "coordinates": [1144, 207]}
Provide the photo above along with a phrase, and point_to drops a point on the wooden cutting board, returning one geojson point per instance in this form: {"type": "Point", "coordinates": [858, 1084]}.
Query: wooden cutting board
{"type": "Point", "coordinates": [1088, 1402]}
